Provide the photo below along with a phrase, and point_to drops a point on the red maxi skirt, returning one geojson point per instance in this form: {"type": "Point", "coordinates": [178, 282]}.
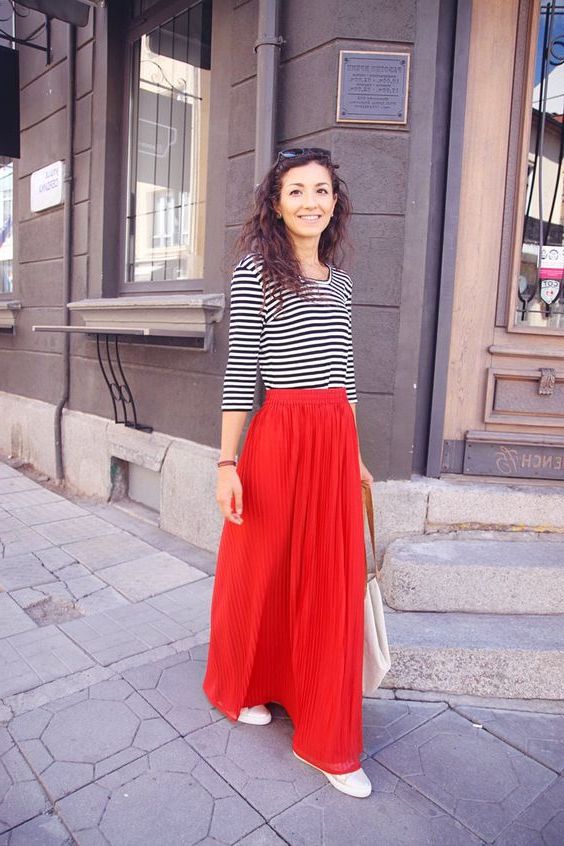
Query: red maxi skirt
{"type": "Point", "coordinates": [287, 611]}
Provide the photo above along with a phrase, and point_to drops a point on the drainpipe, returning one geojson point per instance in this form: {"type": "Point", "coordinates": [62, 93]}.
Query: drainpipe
{"type": "Point", "coordinates": [67, 248]}
{"type": "Point", "coordinates": [267, 48]}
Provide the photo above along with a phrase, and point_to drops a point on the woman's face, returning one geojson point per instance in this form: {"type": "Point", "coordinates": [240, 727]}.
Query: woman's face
{"type": "Point", "coordinates": [306, 200]}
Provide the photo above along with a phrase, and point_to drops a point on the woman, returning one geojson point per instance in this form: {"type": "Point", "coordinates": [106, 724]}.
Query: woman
{"type": "Point", "coordinates": [287, 613]}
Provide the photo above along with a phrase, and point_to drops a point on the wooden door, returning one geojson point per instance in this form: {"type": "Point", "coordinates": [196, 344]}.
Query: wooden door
{"type": "Point", "coordinates": [504, 411]}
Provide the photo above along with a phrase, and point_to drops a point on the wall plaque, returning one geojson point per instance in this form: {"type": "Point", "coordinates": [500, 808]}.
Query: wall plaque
{"type": "Point", "coordinates": [372, 87]}
{"type": "Point", "coordinates": [46, 187]}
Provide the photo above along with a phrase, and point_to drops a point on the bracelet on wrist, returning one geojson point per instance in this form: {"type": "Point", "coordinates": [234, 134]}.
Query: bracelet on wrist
{"type": "Point", "coordinates": [227, 461]}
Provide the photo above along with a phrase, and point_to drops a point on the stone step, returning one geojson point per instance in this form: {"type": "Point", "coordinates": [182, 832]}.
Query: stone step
{"type": "Point", "coordinates": [495, 506]}
{"type": "Point", "coordinates": [520, 657]}
{"type": "Point", "coordinates": [431, 573]}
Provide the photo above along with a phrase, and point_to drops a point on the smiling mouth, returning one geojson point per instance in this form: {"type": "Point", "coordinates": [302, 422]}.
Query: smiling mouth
{"type": "Point", "coordinates": [312, 217]}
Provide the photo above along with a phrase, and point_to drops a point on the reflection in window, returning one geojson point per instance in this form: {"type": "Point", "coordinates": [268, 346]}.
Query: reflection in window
{"type": "Point", "coordinates": [6, 241]}
{"type": "Point", "coordinates": [541, 283]}
{"type": "Point", "coordinates": [168, 148]}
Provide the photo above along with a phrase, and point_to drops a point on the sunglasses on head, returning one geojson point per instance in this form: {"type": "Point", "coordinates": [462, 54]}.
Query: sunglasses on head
{"type": "Point", "coordinates": [295, 152]}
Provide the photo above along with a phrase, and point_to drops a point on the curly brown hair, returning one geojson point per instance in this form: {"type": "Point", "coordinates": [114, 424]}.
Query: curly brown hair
{"type": "Point", "coordinates": [264, 235]}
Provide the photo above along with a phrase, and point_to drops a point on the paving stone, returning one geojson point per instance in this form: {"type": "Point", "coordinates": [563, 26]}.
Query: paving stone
{"type": "Point", "coordinates": [393, 814]}
{"type": "Point", "coordinates": [23, 571]}
{"type": "Point", "coordinates": [188, 605]}
{"type": "Point", "coordinates": [258, 762]}
{"type": "Point", "coordinates": [144, 577]}
{"type": "Point", "coordinates": [384, 721]}
{"type": "Point", "coordinates": [203, 559]}
{"type": "Point", "coordinates": [84, 586]}
{"type": "Point", "coordinates": [33, 515]}
{"type": "Point", "coordinates": [492, 787]}
{"type": "Point", "coordinates": [8, 522]}
{"type": "Point", "coordinates": [121, 808]}
{"type": "Point", "coordinates": [542, 824]}
{"type": "Point", "coordinates": [106, 550]}
{"type": "Point", "coordinates": [21, 797]}
{"type": "Point", "coordinates": [76, 528]}
{"type": "Point", "coordinates": [123, 631]}
{"type": "Point", "coordinates": [540, 736]}
{"type": "Point", "coordinates": [5, 713]}
{"type": "Point", "coordinates": [24, 539]}
{"type": "Point", "coordinates": [12, 620]}
{"type": "Point", "coordinates": [36, 496]}
{"type": "Point", "coordinates": [6, 471]}
{"type": "Point", "coordinates": [54, 558]}
{"type": "Point", "coordinates": [37, 656]}
{"type": "Point", "coordinates": [104, 599]}
{"type": "Point", "coordinates": [173, 686]}
{"type": "Point", "coordinates": [13, 484]}
{"type": "Point", "coordinates": [15, 675]}
{"type": "Point", "coordinates": [43, 830]}
{"type": "Point", "coordinates": [27, 596]}
{"type": "Point", "coordinates": [72, 741]}
{"type": "Point", "coordinates": [21, 703]}
{"type": "Point", "coordinates": [263, 836]}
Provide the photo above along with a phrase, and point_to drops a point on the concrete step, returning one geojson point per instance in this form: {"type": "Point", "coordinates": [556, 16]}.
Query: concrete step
{"type": "Point", "coordinates": [470, 505]}
{"type": "Point", "coordinates": [519, 656]}
{"type": "Point", "coordinates": [432, 573]}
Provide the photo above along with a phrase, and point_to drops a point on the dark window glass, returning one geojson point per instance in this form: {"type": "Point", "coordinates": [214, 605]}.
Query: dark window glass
{"type": "Point", "coordinates": [168, 148]}
{"type": "Point", "coordinates": [541, 283]}
{"type": "Point", "coordinates": [6, 241]}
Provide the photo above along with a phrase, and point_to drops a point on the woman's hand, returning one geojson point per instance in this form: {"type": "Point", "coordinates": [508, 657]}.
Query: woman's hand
{"type": "Point", "coordinates": [365, 474]}
{"type": "Point", "coordinates": [229, 486]}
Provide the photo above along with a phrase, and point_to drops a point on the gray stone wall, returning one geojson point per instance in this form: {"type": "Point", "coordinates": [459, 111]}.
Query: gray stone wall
{"type": "Point", "coordinates": [178, 390]}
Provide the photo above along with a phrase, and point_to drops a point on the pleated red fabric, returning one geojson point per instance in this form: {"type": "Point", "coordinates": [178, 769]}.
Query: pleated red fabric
{"type": "Point", "coordinates": [287, 611]}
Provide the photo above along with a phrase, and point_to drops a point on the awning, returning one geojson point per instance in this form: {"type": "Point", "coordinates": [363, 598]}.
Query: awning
{"type": "Point", "coordinates": [71, 11]}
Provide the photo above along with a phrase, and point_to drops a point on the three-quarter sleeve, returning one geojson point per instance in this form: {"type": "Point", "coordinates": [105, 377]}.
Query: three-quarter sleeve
{"type": "Point", "coordinates": [245, 326]}
{"type": "Point", "coordinates": [350, 381]}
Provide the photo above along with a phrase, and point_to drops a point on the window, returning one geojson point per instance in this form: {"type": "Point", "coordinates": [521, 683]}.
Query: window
{"type": "Point", "coordinates": [538, 301]}
{"type": "Point", "coordinates": [6, 240]}
{"type": "Point", "coordinates": [168, 148]}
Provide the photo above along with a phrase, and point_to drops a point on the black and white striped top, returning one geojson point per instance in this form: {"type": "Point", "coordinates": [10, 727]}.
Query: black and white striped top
{"type": "Point", "coordinates": [304, 345]}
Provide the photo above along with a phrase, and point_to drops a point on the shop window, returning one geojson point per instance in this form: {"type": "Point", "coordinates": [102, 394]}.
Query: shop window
{"type": "Point", "coordinates": [6, 240]}
{"type": "Point", "coordinates": [537, 301]}
{"type": "Point", "coordinates": [168, 148]}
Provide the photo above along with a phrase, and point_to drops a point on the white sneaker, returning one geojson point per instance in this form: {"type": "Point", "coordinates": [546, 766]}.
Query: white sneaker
{"type": "Point", "coordinates": [257, 715]}
{"type": "Point", "coordinates": [355, 783]}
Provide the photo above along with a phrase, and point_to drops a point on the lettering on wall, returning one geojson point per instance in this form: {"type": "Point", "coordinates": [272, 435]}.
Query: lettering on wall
{"type": "Point", "coordinates": [47, 187]}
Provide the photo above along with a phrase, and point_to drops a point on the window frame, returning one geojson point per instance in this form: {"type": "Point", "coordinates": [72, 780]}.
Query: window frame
{"type": "Point", "coordinates": [134, 30]}
{"type": "Point", "coordinates": [516, 176]}
{"type": "Point", "coordinates": [11, 295]}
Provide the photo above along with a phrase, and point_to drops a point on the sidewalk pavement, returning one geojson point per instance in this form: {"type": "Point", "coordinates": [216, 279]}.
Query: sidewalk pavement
{"type": "Point", "coordinates": [106, 736]}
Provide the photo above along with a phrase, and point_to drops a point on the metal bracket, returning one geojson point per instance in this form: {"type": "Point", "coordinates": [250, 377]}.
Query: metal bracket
{"type": "Point", "coordinates": [120, 392]}
{"type": "Point", "coordinates": [274, 40]}
{"type": "Point", "coordinates": [27, 42]}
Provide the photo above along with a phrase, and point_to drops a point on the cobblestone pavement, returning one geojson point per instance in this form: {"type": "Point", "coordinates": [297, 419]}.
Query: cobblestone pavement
{"type": "Point", "coordinates": [106, 736]}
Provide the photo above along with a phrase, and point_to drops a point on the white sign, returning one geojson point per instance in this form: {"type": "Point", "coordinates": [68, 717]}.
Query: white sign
{"type": "Point", "coordinates": [47, 187]}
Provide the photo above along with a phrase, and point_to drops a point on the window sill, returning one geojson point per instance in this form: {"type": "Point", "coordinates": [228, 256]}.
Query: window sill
{"type": "Point", "coordinates": [171, 315]}
{"type": "Point", "coordinates": [8, 313]}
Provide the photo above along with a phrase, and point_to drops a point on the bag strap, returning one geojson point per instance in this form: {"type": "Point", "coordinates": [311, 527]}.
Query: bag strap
{"type": "Point", "coordinates": [369, 508]}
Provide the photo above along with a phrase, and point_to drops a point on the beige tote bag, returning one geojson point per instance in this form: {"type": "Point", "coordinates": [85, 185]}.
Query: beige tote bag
{"type": "Point", "coordinates": [376, 662]}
